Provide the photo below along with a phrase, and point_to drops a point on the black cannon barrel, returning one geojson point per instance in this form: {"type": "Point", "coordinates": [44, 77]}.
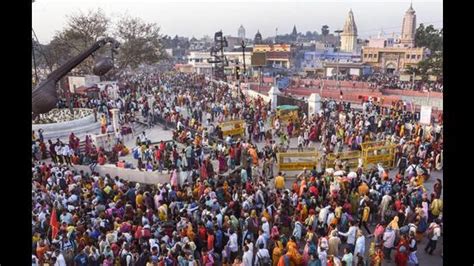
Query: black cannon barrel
{"type": "Point", "coordinates": [44, 96]}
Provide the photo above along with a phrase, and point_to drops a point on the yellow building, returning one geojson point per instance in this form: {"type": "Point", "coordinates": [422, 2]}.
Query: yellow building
{"type": "Point", "coordinates": [390, 59]}
{"type": "Point", "coordinates": [271, 48]}
{"type": "Point", "coordinates": [275, 55]}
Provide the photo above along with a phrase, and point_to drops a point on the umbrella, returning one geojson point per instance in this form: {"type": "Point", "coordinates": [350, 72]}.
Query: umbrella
{"type": "Point", "coordinates": [352, 175]}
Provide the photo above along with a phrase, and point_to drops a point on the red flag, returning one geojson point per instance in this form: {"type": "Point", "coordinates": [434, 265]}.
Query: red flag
{"type": "Point", "coordinates": [54, 224]}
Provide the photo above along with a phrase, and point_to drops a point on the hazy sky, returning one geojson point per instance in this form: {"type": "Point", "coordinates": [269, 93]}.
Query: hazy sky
{"type": "Point", "coordinates": [198, 18]}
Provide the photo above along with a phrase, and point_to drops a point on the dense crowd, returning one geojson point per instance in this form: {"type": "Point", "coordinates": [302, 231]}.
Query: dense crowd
{"type": "Point", "coordinates": [242, 213]}
{"type": "Point", "coordinates": [394, 82]}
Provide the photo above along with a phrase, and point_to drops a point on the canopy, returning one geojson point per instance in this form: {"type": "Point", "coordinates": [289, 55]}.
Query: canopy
{"type": "Point", "coordinates": [287, 107]}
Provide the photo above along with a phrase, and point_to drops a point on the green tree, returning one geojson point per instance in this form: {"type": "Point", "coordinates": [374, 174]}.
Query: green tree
{"type": "Point", "coordinates": [429, 37]}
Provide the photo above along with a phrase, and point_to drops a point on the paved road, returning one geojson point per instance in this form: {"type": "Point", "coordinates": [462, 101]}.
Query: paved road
{"type": "Point", "coordinates": [157, 133]}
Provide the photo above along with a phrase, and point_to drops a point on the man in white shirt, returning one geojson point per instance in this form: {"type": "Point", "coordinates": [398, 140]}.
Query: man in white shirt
{"type": "Point", "coordinates": [347, 256]}
{"type": "Point", "coordinates": [248, 256]}
{"type": "Point", "coordinates": [388, 242]}
{"type": "Point", "coordinates": [261, 239]}
{"type": "Point", "coordinates": [300, 143]}
{"type": "Point", "coordinates": [434, 232]}
{"type": "Point", "coordinates": [233, 245]}
{"type": "Point", "coordinates": [60, 261]}
{"type": "Point", "coordinates": [351, 236]}
{"type": "Point", "coordinates": [262, 255]}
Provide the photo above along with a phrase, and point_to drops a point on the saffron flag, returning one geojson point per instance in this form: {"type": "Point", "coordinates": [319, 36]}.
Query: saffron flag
{"type": "Point", "coordinates": [54, 224]}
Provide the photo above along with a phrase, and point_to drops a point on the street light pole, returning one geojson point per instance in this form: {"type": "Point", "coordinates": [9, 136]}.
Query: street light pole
{"type": "Point", "coordinates": [337, 55]}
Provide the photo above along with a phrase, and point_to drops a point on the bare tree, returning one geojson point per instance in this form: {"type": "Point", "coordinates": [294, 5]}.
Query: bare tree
{"type": "Point", "coordinates": [140, 42]}
{"type": "Point", "coordinates": [82, 30]}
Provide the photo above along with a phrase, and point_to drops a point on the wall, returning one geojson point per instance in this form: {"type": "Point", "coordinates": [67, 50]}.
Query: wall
{"type": "Point", "coordinates": [255, 94]}
{"type": "Point", "coordinates": [133, 175]}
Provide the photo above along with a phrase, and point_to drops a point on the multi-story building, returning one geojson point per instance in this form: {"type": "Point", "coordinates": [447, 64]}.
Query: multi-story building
{"type": "Point", "coordinates": [393, 59]}
{"type": "Point", "coordinates": [200, 64]}
{"type": "Point", "coordinates": [313, 60]}
{"type": "Point", "coordinates": [275, 55]}
{"type": "Point", "coordinates": [271, 48]}
{"type": "Point", "coordinates": [394, 55]}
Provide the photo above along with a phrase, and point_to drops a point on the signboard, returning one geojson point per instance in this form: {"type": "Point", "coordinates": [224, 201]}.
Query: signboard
{"type": "Point", "coordinates": [354, 71]}
{"type": "Point", "coordinates": [76, 82]}
{"type": "Point", "coordinates": [329, 71]}
{"type": "Point", "coordinates": [105, 141]}
{"type": "Point", "coordinates": [258, 59]}
{"type": "Point", "coordinates": [432, 78]}
{"type": "Point", "coordinates": [425, 115]}
{"type": "Point", "coordinates": [91, 80]}
{"type": "Point", "coordinates": [405, 77]}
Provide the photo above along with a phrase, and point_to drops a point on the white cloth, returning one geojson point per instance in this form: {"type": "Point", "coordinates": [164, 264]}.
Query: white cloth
{"type": "Point", "coordinates": [233, 245]}
{"type": "Point", "coordinates": [360, 246]}
{"type": "Point", "coordinates": [247, 258]}
{"type": "Point", "coordinates": [351, 234]}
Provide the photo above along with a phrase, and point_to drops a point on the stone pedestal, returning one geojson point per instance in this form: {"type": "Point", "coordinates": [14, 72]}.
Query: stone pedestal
{"type": "Point", "coordinates": [115, 119]}
{"type": "Point", "coordinates": [273, 93]}
{"type": "Point", "coordinates": [314, 103]}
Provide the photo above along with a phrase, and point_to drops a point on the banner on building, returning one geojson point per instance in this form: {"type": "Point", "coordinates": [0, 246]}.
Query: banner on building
{"type": "Point", "coordinates": [76, 82]}
{"type": "Point", "coordinates": [425, 115]}
{"type": "Point", "coordinates": [329, 71]}
{"type": "Point", "coordinates": [432, 78]}
{"type": "Point", "coordinates": [405, 77]}
{"type": "Point", "coordinates": [354, 71]}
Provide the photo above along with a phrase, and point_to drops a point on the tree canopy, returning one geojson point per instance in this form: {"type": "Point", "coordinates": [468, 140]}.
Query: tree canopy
{"type": "Point", "coordinates": [140, 41]}
{"type": "Point", "coordinates": [429, 37]}
{"type": "Point", "coordinates": [432, 39]}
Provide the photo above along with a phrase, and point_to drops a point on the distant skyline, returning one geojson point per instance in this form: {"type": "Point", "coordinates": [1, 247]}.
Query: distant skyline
{"type": "Point", "coordinates": [188, 19]}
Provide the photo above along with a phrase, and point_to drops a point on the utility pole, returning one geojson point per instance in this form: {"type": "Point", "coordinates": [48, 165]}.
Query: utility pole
{"type": "Point", "coordinates": [337, 63]}
{"type": "Point", "coordinates": [243, 59]}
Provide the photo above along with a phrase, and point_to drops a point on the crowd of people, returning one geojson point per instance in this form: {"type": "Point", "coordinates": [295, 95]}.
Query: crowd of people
{"type": "Point", "coordinates": [394, 82]}
{"type": "Point", "coordinates": [242, 213]}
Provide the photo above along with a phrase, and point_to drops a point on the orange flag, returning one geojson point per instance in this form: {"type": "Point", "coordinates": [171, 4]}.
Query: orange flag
{"type": "Point", "coordinates": [54, 223]}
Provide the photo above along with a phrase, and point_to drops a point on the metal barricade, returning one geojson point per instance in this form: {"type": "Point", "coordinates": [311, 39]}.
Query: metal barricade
{"type": "Point", "coordinates": [378, 152]}
{"type": "Point", "coordinates": [233, 128]}
{"type": "Point", "coordinates": [350, 157]}
{"type": "Point", "coordinates": [287, 162]}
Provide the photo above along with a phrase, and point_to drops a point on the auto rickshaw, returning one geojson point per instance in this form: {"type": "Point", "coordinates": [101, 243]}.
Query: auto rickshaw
{"type": "Point", "coordinates": [286, 113]}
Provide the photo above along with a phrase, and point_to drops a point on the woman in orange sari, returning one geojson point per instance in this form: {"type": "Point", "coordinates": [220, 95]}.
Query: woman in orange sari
{"type": "Point", "coordinates": [295, 257]}
{"type": "Point", "coordinates": [277, 252]}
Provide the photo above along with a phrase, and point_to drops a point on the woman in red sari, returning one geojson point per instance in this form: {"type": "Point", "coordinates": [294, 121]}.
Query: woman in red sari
{"type": "Point", "coordinates": [222, 163]}
{"type": "Point", "coordinates": [203, 170]}
{"type": "Point", "coordinates": [290, 129]}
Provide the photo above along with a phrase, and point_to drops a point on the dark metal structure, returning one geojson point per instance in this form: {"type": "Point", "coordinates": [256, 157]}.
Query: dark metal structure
{"type": "Point", "coordinates": [220, 61]}
{"type": "Point", "coordinates": [44, 96]}
{"type": "Point", "coordinates": [288, 100]}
